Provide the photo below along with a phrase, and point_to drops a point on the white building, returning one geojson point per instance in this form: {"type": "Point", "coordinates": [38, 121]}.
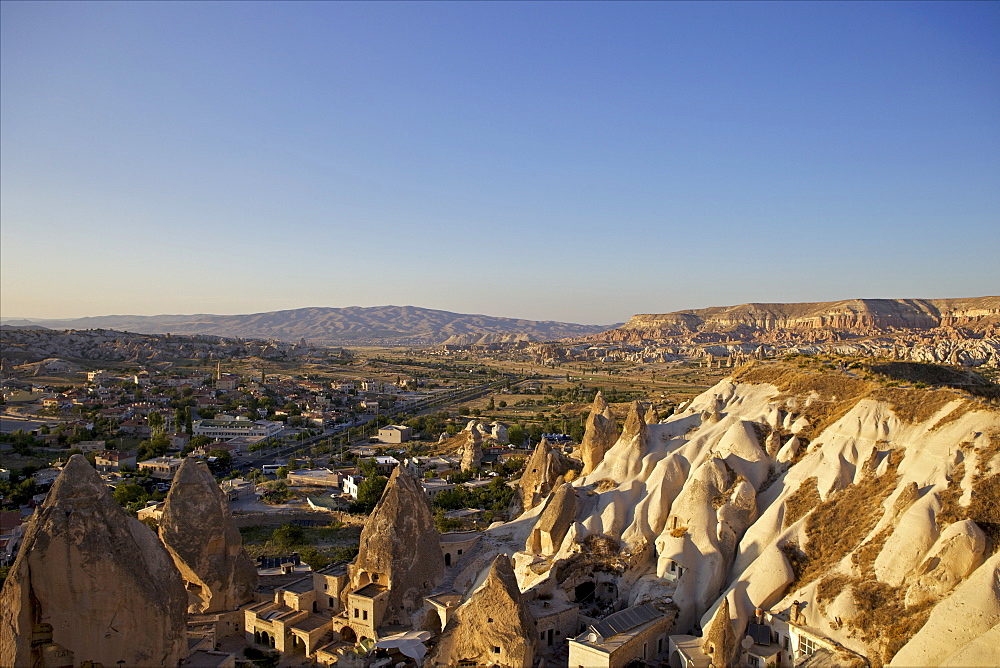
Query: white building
{"type": "Point", "coordinates": [99, 376]}
{"type": "Point", "coordinates": [350, 485]}
{"type": "Point", "coordinates": [225, 427]}
{"type": "Point", "coordinates": [385, 465]}
{"type": "Point", "coordinates": [434, 486]}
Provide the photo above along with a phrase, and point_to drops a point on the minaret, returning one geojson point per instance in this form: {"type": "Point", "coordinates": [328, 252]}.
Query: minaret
{"type": "Point", "coordinates": [218, 371]}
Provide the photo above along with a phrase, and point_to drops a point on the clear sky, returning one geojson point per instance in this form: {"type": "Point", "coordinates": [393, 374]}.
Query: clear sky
{"type": "Point", "coordinates": [565, 161]}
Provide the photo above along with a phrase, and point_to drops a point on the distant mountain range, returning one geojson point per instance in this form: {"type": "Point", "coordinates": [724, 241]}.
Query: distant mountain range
{"type": "Point", "coordinates": [355, 325]}
{"type": "Point", "coordinates": [412, 325]}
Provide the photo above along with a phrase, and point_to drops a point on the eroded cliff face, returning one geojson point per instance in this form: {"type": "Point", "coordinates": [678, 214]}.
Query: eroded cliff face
{"type": "Point", "coordinates": [400, 548]}
{"type": "Point", "coordinates": [93, 581]}
{"type": "Point", "coordinates": [791, 322]}
{"type": "Point", "coordinates": [198, 531]}
{"type": "Point", "coordinates": [493, 627]}
{"type": "Point", "coordinates": [847, 314]}
{"type": "Point", "coordinates": [867, 506]}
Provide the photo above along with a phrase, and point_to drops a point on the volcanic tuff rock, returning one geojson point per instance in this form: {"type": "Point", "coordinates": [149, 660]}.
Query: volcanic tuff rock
{"type": "Point", "coordinates": [472, 453]}
{"type": "Point", "coordinates": [601, 433]}
{"type": "Point", "coordinates": [93, 581]}
{"type": "Point", "coordinates": [206, 546]}
{"type": "Point", "coordinates": [492, 627]}
{"type": "Point", "coordinates": [555, 520]}
{"type": "Point", "coordinates": [869, 509]}
{"type": "Point", "coordinates": [400, 547]}
{"type": "Point", "coordinates": [720, 639]}
{"type": "Point", "coordinates": [543, 469]}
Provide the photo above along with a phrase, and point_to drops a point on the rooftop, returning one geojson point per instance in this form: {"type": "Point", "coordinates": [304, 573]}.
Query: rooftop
{"type": "Point", "coordinates": [300, 586]}
{"type": "Point", "coordinates": [207, 659]}
{"type": "Point", "coordinates": [626, 620]}
{"type": "Point", "coordinates": [311, 623]}
{"type": "Point", "coordinates": [334, 569]}
{"type": "Point", "coordinates": [369, 591]}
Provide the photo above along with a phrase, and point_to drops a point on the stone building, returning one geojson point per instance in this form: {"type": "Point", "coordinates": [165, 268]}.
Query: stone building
{"type": "Point", "coordinates": [638, 633]}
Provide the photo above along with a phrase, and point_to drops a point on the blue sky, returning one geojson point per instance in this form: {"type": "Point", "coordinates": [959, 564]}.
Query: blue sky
{"type": "Point", "coordinates": [566, 161]}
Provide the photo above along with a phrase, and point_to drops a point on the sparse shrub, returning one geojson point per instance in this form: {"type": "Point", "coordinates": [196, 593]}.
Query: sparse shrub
{"type": "Point", "coordinates": [838, 525]}
{"type": "Point", "coordinates": [985, 507]}
{"type": "Point", "coordinates": [803, 500]}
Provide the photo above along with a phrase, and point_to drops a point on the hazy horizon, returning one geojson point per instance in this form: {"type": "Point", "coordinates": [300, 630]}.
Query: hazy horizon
{"type": "Point", "coordinates": [6, 318]}
{"type": "Point", "coordinates": [575, 162]}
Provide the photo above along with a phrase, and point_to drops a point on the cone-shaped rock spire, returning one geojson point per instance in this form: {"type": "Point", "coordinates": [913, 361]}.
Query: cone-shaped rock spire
{"type": "Point", "coordinates": [601, 433]}
{"type": "Point", "coordinates": [91, 581]}
{"type": "Point", "coordinates": [493, 627]}
{"type": "Point", "coordinates": [206, 546]}
{"type": "Point", "coordinates": [400, 548]}
{"type": "Point", "coordinates": [541, 473]}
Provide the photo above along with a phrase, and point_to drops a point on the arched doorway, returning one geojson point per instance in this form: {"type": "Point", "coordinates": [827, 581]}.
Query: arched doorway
{"type": "Point", "coordinates": [347, 634]}
{"type": "Point", "coordinates": [447, 558]}
{"type": "Point", "coordinates": [432, 622]}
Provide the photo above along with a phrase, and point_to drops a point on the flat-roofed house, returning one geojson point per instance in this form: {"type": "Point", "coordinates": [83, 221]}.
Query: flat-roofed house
{"type": "Point", "coordinates": [162, 468]}
{"type": "Point", "coordinates": [113, 461]}
{"type": "Point", "coordinates": [394, 433]}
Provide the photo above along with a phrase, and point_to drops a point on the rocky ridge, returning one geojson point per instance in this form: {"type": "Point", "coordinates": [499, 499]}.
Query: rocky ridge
{"type": "Point", "coordinates": [601, 433]}
{"type": "Point", "coordinates": [543, 471]}
{"type": "Point", "coordinates": [30, 346]}
{"type": "Point", "coordinates": [956, 331]}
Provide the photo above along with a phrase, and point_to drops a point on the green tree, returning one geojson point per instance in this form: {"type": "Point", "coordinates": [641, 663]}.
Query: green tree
{"type": "Point", "coordinates": [223, 460]}
{"type": "Point", "coordinates": [129, 493]}
{"type": "Point", "coordinates": [155, 447]}
{"type": "Point", "coordinates": [156, 423]}
{"type": "Point", "coordinates": [314, 557]}
{"type": "Point", "coordinates": [288, 535]}
{"type": "Point", "coordinates": [369, 492]}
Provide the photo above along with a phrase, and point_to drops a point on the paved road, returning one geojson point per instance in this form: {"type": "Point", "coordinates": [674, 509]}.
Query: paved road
{"type": "Point", "coordinates": [421, 407]}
